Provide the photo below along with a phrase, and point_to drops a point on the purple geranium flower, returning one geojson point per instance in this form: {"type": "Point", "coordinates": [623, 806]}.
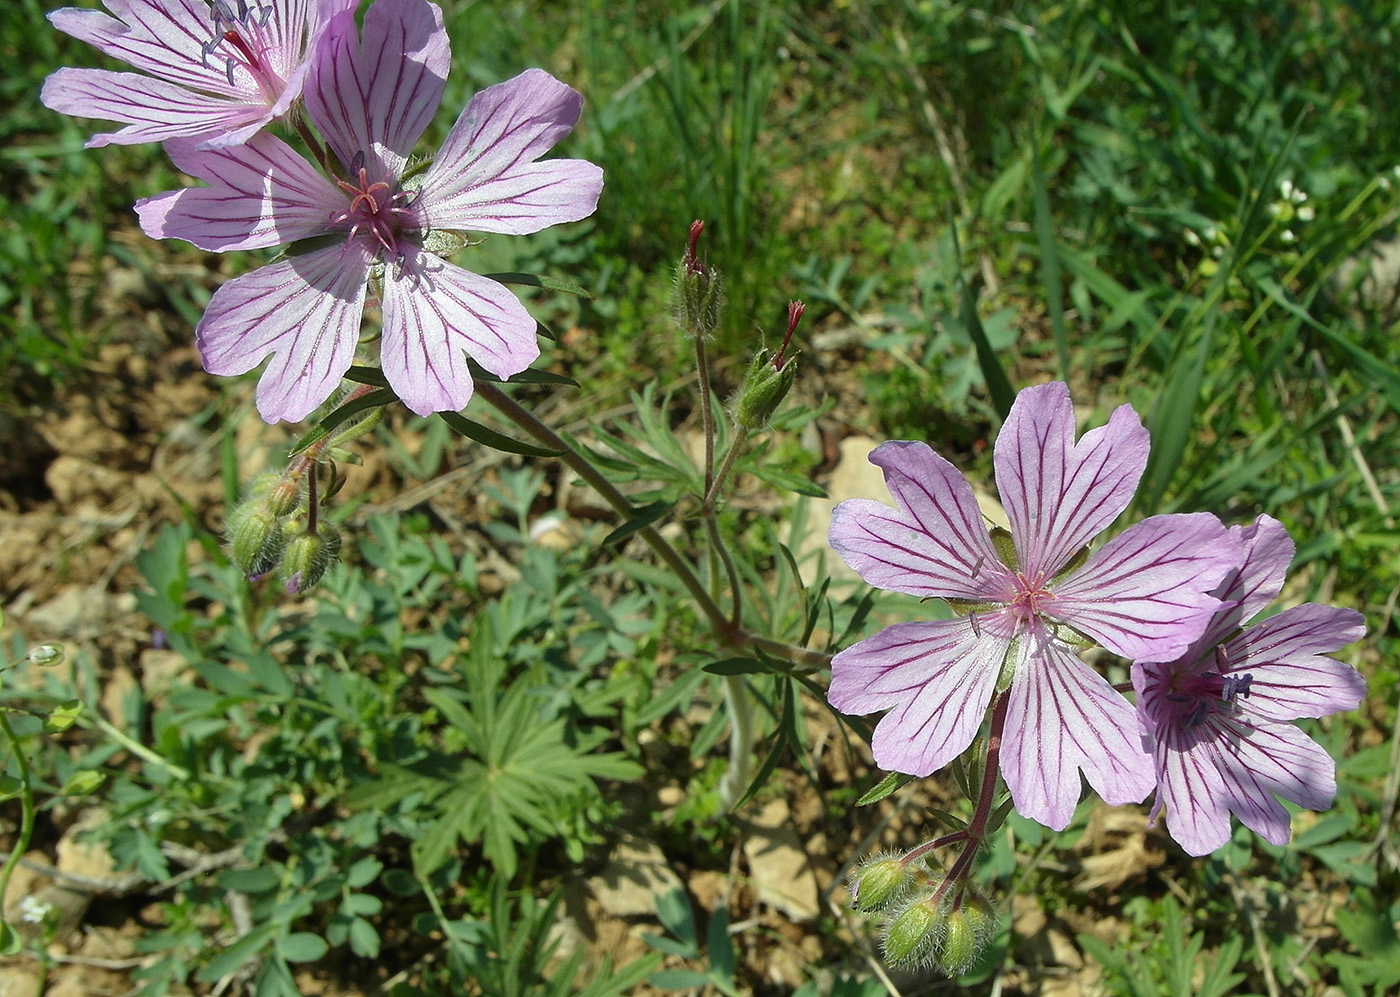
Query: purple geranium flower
{"type": "Point", "coordinates": [371, 102]}
{"type": "Point", "coordinates": [1219, 715]}
{"type": "Point", "coordinates": [1027, 600]}
{"type": "Point", "coordinates": [219, 69]}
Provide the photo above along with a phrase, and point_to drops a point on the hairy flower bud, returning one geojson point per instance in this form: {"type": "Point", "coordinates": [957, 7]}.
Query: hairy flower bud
{"type": "Point", "coordinates": [960, 948]}
{"type": "Point", "coordinates": [309, 556]}
{"type": "Point", "coordinates": [913, 934]}
{"type": "Point", "coordinates": [256, 538]}
{"type": "Point", "coordinates": [882, 881]}
{"type": "Point", "coordinates": [698, 300]}
{"type": "Point", "coordinates": [764, 390]}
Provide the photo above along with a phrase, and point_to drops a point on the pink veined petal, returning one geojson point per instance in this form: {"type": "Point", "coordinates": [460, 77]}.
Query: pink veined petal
{"type": "Point", "coordinates": [165, 38]}
{"type": "Point", "coordinates": [1143, 594]}
{"type": "Point", "coordinates": [1286, 658]}
{"type": "Point", "coordinates": [375, 98]}
{"type": "Point", "coordinates": [263, 194]}
{"type": "Point", "coordinates": [485, 179]}
{"type": "Point", "coordinates": [1224, 766]}
{"type": "Point", "coordinates": [934, 544]}
{"type": "Point", "coordinates": [1268, 551]}
{"type": "Point", "coordinates": [153, 110]}
{"type": "Point", "coordinates": [304, 311]}
{"type": "Point", "coordinates": [1064, 718]}
{"type": "Point", "coordinates": [529, 198]}
{"type": "Point", "coordinates": [435, 315]}
{"type": "Point", "coordinates": [938, 677]}
{"type": "Point", "coordinates": [1059, 495]}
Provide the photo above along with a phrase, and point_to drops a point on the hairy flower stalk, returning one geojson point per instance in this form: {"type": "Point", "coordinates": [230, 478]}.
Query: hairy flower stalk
{"type": "Point", "coordinates": [1027, 601]}
{"type": "Point", "coordinates": [385, 232]}
{"type": "Point", "coordinates": [216, 73]}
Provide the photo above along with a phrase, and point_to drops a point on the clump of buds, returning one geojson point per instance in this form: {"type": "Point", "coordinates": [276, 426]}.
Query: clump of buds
{"type": "Point", "coordinates": [927, 922]}
{"type": "Point", "coordinates": [769, 379]}
{"type": "Point", "coordinates": [698, 300]}
{"type": "Point", "coordinates": [276, 528]}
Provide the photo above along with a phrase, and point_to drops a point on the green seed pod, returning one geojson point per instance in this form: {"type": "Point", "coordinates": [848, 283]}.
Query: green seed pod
{"type": "Point", "coordinates": [256, 537]}
{"type": "Point", "coordinates": [765, 387]}
{"type": "Point", "coordinates": [882, 881]}
{"type": "Point", "coordinates": [308, 557]}
{"type": "Point", "coordinates": [961, 946]}
{"type": "Point", "coordinates": [913, 934]}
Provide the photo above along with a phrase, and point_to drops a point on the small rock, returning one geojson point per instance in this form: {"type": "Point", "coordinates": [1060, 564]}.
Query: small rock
{"type": "Point", "coordinates": [634, 877]}
{"type": "Point", "coordinates": [782, 873]}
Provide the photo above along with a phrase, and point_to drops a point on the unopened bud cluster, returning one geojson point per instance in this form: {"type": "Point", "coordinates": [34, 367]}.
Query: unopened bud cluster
{"type": "Point", "coordinates": [274, 531]}
{"type": "Point", "coordinates": [924, 925]}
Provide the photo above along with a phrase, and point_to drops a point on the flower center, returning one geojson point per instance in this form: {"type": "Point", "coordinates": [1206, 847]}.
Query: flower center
{"type": "Point", "coordinates": [376, 211]}
{"type": "Point", "coordinates": [1031, 598]}
{"type": "Point", "coordinates": [241, 41]}
{"type": "Point", "coordinates": [1204, 694]}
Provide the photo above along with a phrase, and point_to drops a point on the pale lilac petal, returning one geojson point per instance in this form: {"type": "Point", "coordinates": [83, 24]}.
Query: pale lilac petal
{"type": "Point", "coordinates": [938, 677]}
{"type": "Point", "coordinates": [165, 38]}
{"type": "Point", "coordinates": [437, 314]}
{"type": "Point", "coordinates": [1286, 658]}
{"type": "Point", "coordinates": [1143, 594]}
{"type": "Point", "coordinates": [153, 110]}
{"type": "Point", "coordinates": [305, 312]}
{"type": "Point", "coordinates": [485, 179]}
{"type": "Point", "coordinates": [1059, 495]}
{"type": "Point", "coordinates": [262, 194]}
{"type": "Point", "coordinates": [375, 99]}
{"type": "Point", "coordinates": [934, 545]}
{"type": "Point", "coordinates": [1223, 766]}
{"type": "Point", "coordinates": [1064, 718]}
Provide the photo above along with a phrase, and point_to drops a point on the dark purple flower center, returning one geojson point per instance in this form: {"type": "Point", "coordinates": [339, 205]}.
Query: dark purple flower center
{"type": "Point", "coordinates": [378, 212]}
{"type": "Point", "coordinates": [241, 41]}
{"type": "Point", "coordinates": [1203, 694]}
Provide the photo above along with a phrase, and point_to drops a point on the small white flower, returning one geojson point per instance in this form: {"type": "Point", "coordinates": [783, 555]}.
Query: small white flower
{"type": "Point", "coordinates": [1306, 213]}
{"type": "Point", "coordinates": [1288, 236]}
{"type": "Point", "coordinates": [33, 911]}
{"type": "Point", "coordinates": [1192, 239]}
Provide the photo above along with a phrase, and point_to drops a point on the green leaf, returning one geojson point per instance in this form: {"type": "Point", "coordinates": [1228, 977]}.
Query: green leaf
{"type": "Point", "coordinates": [82, 783]}
{"type": "Point", "coordinates": [364, 940]}
{"type": "Point", "coordinates": [537, 280]}
{"type": "Point", "coordinates": [644, 516]}
{"type": "Point", "coordinates": [673, 908]}
{"type": "Point", "coordinates": [478, 433]}
{"type": "Point", "coordinates": [260, 880]}
{"type": "Point", "coordinates": [10, 787]}
{"type": "Point", "coordinates": [678, 979]}
{"type": "Point", "coordinates": [10, 941]}
{"type": "Point", "coordinates": [232, 958]}
{"type": "Point", "coordinates": [530, 375]}
{"type": "Point", "coordinates": [328, 425]}
{"type": "Point", "coordinates": [302, 946]}
{"type": "Point", "coordinates": [739, 666]}
{"type": "Point", "coordinates": [1003, 395]}
{"type": "Point", "coordinates": [367, 375]}
{"type": "Point", "coordinates": [789, 482]}
{"type": "Point", "coordinates": [889, 784]}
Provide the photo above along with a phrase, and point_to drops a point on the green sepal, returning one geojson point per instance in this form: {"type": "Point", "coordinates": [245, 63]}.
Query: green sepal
{"type": "Point", "coordinates": [63, 716]}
